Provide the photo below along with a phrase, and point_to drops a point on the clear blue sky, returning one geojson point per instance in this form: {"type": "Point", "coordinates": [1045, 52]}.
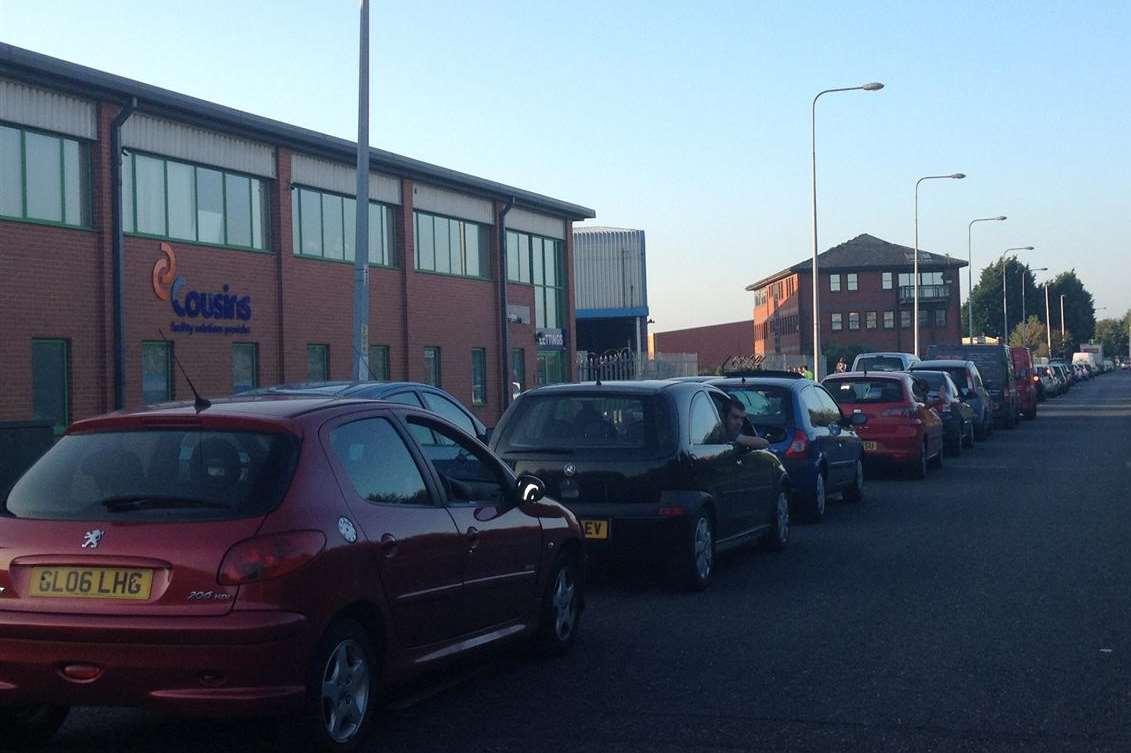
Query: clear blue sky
{"type": "Point", "coordinates": [690, 120]}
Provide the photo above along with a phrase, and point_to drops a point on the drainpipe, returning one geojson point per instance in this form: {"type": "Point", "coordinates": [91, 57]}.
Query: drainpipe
{"type": "Point", "coordinates": [117, 255]}
{"type": "Point", "coordinates": [504, 332]}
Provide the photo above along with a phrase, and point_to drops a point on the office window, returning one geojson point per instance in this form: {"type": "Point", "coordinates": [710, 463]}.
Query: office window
{"type": "Point", "coordinates": [886, 281]}
{"type": "Point", "coordinates": [870, 320]}
{"type": "Point", "coordinates": [541, 262]}
{"type": "Point", "coordinates": [182, 201]}
{"type": "Point", "coordinates": [44, 177]}
{"type": "Point", "coordinates": [854, 320]}
{"type": "Point", "coordinates": [451, 247]}
{"type": "Point", "coordinates": [905, 318]}
{"type": "Point", "coordinates": [834, 283]}
{"type": "Point", "coordinates": [156, 372]}
{"type": "Point", "coordinates": [940, 318]}
{"type": "Point", "coordinates": [478, 376]}
{"type": "Point", "coordinates": [379, 362]}
{"type": "Point", "coordinates": [245, 366]}
{"type": "Point", "coordinates": [551, 367]}
{"type": "Point", "coordinates": [518, 369]}
{"type": "Point", "coordinates": [889, 320]}
{"type": "Point", "coordinates": [325, 226]}
{"type": "Point", "coordinates": [432, 374]}
{"type": "Point", "coordinates": [317, 362]}
{"type": "Point", "coordinates": [51, 382]}
{"type": "Point", "coordinates": [852, 282]}
{"type": "Point", "coordinates": [838, 322]}
{"type": "Point", "coordinates": [924, 318]}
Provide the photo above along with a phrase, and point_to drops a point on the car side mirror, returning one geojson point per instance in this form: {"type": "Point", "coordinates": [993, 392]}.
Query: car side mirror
{"type": "Point", "coordinates": [529, 488]}
{"type": "Point", "coordinates": [858, 419]}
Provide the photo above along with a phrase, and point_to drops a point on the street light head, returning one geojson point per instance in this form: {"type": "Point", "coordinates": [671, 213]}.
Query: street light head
{"type": "Point", "coordinates": [957, 176]}
{"type": "Point", "coordinates": [999, 219]}
{"type": "Point", "coordinates": [875, 86]}
{"type": "Point", "coordinates": [1025, 248]}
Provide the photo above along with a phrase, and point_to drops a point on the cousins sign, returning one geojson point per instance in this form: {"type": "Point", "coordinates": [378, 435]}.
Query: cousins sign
{"type": "Point", "coordinates": [226, 311]}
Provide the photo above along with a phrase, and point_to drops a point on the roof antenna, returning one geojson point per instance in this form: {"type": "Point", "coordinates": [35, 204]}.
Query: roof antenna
{"type": "Point", "coordinates": [198, 403]}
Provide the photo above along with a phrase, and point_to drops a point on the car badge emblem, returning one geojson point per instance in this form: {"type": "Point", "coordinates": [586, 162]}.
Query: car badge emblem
{"type": "Point", "coordinates": [569, 470]}
{"type": "Point", "coordinates": [346, 528]}
{"type": "Point", "coordinates": [91, 539]}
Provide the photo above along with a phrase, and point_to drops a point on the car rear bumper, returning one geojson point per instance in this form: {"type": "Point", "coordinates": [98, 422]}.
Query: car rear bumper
{"type": "Point", "coordinates": [637, 532]}
{"type": "Point", "coordinates": [244, 663]}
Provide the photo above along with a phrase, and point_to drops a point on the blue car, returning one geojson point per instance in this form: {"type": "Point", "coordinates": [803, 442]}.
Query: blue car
{"type": "Point", "coordinates": [815, 442]}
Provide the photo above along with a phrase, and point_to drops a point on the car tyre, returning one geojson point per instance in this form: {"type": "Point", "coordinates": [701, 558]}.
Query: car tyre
{"type": "Point", "coordinates": [855, 491]}
{"type": "Point", "coordinates": [817, 502]}
{"type": "Point", "coordinates": [561, 607]}
{"type": "Point", "coordinates": [970, 437]}
{"type": "Point", "coordinates": [28, 727]}
{"type": "Point", "coordinates": [342, 690]}
{"type": "Point", "coordinates": [779, 531]}
{"type": "Point", "coordinates": [696, 565]}
{"type": "Point", "coordinates": [938, 461]}
{"type": "Point", "coordinates": [1031, 413]}
{"type": "Point", "coordinates": [920, 466]}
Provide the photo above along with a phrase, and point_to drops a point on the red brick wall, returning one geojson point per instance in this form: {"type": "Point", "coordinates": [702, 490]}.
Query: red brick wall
{"type": "Point", "coordinates": [784, 306]}
{"type": "Point", "coordinates": [713, 343]}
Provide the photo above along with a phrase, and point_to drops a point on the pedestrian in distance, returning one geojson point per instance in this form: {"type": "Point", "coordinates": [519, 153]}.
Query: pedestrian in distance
{"type": "Point", "coordinates": [841, 365]}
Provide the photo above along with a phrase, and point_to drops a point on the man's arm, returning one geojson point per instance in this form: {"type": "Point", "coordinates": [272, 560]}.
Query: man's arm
{"type": "Point", "coordinates": [751, 443]}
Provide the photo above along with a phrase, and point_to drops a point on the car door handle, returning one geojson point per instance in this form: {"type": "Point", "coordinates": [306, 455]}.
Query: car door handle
{"type": "Point", "coordinates": [389, 545]}
{"type": "Point", "coordinates": [472, 538]}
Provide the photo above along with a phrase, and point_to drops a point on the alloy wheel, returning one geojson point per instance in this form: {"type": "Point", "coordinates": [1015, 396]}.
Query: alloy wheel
{"type": "Point", "coordinates": [819, 500]}
{"type": "Point", "coordinates": [704, 548]}
{"type": "Point", "coordinates": [565, 604]}
{"type": "Point", "coordinates": [783, 517]}
{"type": "Point", "coordinates": [345, 691]}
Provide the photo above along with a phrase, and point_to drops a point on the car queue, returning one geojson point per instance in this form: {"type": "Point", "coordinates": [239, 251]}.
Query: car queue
{"type": "Point", "coordinates": [303, 549]}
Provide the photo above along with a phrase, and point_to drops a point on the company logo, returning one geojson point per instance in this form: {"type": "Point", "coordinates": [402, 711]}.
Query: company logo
{"type": "Point", "coordinates": [91, 539]}
{"type": "Point", "coordinates": [186, 302]}
{"type": "Point", "coordinates": [569, 470]}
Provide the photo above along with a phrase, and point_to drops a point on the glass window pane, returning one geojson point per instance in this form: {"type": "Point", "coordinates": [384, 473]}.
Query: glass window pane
{"type": "Point", "coordinates": [43, 164]}
{"type": "Point", "coordinates": [432, 366]}
{"type": "Point", "coordinates": [259, 221]}
{"type": "Point", "coordinates": [332, 246]}
{"type": "Point", "coordinates": [377, 250]}
{"type": "Point", "coordinates": [11, 184]}
{"type": "Point", "coordinates": [311, 222]}
{"type": "Point", "coordinates": [296, 218]}
{"type": "Point", "coordinates": [425, 248]}
{"type": "Point", "coordinates": [443, 258]}
{"type": "Point", "coordinates": [456, 247]}
{"type": "Point", "coordinates": [537, 276]}
{"type": "Point", "coordinates": [245, 367]}
{"type": "Point", "coordinates": [156, 385]}
{"type": "Point", "coordinates": [539, 307]}
{"type": "Point", "coordinates": [128, 193]}
{"type": "Point", "coordinates": [389, 235]}
{"type": "Point", "coordinates": [182, 201]}
{"type": "Point", "coordinates": [471, 253]}
{"type": "Point", "coordinates": [523, 257]}
{"type": "Point", "coordinates": [349, 229]}
{"type": "Point", "coordinates": [72, 183]}
{"type": "Point", "coordinates": [209, 205]}
{"type": "Point", "coordinates": [512, 256]}
{"type": "Point", "coordinates": [479, 376]}
{"type": "Point", "coordinates": [380, 467]}
{"type": "Point", "coordinates": [552, 308]}
{"type": "Point", "coordinates": [518, 368]}
{"type": "Point", "coordinates": [50, 393]}
{"type": "Point", "coordinates": [317, 362]}
{"type": "Point", "coordinates": [450, 411]}
{"type": "Point", "coordinates": [379, 362]}
{"type": "Point", "coordinates": [237, 196]}
{"type": "Point", "coordinates": [149, 176]}
{"type": "Point", "coordinates": [551, 269]}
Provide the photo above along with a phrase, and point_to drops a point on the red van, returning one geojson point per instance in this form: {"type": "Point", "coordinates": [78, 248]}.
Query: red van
{"type": "Point", "coordinates": [1026, 379]}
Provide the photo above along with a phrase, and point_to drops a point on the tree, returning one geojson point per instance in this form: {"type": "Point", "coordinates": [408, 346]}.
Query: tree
{"type": "Point", "coordinates": [1062, 347]}
{"type": "Point", "coordinates": [1079, 309]}
{"type": "Point", "coordinates": [988, 315]}
{"type": "Point", "coordinates": [1032, 335]}
{"type": "Point", "coordinates": [1112, 333]}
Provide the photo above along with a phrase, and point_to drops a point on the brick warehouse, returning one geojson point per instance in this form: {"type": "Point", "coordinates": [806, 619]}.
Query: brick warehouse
{"type": "Point", "coordinates": [866, 300]}
{"type": "Point", "coordinates": [257, 218]}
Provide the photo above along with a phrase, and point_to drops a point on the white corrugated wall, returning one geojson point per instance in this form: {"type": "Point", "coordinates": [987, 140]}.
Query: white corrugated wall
{"type": "Point", "coordinates": [49, 110]}
{"type": "Point", "coordinates": [609, 268]}
{"type": "Point", "coordinates": [178, 140]}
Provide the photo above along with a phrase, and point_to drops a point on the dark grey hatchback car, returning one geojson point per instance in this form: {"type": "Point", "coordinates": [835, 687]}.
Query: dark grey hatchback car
{"type": "Point", "coordinates": [648, 471]}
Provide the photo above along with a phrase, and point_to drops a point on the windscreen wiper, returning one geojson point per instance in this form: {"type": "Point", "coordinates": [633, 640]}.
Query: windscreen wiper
{"type": "Point", "coordinates": [126, 503]}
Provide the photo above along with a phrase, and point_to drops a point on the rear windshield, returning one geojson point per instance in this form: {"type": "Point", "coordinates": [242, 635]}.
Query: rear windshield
{"type": "Point", "coordinates": [160, 474]}
{"type": "Point", "coordinates": [934, 379]}
{"type": "Point", "coordinates": [863, 391]}
{"type": "Point", "coordinates": [879, 363]}
{"type": "Point", "coordinates": [579, 423]}
{"type": "Point", "coordinates": [765, 405]}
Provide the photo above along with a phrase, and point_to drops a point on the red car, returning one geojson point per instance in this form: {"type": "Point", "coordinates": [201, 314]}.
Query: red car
{"type": "Point", "coordinates": [268, 556]}
{"type": "Point", "coordinates": [901, 428]}
{"type": "Point", "coordinates": [1026, 379]}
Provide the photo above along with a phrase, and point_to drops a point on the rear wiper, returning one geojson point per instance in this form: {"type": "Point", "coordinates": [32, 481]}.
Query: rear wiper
{"type": "Point", "coordinates": [541, 451]}
{"type": "Point", "coordinates": [125, 503]}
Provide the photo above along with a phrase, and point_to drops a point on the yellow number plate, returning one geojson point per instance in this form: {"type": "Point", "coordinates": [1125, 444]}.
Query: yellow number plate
{"type": "Point", "coordinates": [595, 529]}
{"type": "Point", "coordinates": [871, 446]}
{"type": "Point", "coordinates": [91, 583]}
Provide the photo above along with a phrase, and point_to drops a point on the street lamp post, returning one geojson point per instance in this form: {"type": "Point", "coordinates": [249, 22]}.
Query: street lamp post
{"type": "Point", "coordinates": [1062, 319]}
{"type": "Point", "coordinates": [970, 267]}
{"type": "Point", "coordinates": [915, 275]}
{"type": "Point", "coordinates": [1048, 320]}
{"type": "Point", "coordinates": [1025, 273]}
{"type": "Point", "coordinates": [1004, 308]}
{"type": "Point", "coordinates": [874, 86]}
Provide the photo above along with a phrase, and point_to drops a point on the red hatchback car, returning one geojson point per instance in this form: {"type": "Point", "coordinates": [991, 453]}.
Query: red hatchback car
{"type": "Point", "coordinates": [901, 428]}
{"type": "Point", "coordinates": [268, 556]}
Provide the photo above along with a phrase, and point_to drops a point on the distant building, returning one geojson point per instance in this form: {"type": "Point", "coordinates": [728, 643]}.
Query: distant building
{"type": "Point", "coordinates": [866, 299]}
{"type": "Point", "coordinates": [611, 289]}
{"type": "Point", "coordinates": [713, 343]}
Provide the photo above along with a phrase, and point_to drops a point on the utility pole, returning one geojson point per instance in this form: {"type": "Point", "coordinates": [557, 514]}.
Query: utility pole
{"type": "Point", "coordinates": [361, 241]}
{"type": "Point", "coordinates": [1048, 320]}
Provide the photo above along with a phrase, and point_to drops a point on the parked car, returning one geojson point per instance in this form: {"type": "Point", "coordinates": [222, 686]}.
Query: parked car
{"type": "Point", "coordinates": [648, 469]}
{"type": "Point", "coordinates": [901, 427]}
{"type": "Point", "coordinates": [410, 393]}
{"type": "Point", "coordinates": [1048, 381]}
{"type": "Point", "coordinates": [814, 440]}
{"type": "Point", "coordinates": [1026, 381]}
{"type": "Point", "coordinates": [971, 390]}
{"type": "Point", "coordinates": [957, 416]}
{"type": "Point", "coordinates": [269, 556]}
{"type": "Point", "coordinates": [996, 368]}
{"type": "Point", "coordinates": [1067, 377]}
{"type": "Point", "coordinates": [884, 361]}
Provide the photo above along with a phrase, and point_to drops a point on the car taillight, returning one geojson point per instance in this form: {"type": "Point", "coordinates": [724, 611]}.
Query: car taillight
{"type": "Point", "coordinates": [799, 446]}
{"type": "Point", "coordinates": [269, 556]}
{"type": "Point", "coordinates": [900, 413]}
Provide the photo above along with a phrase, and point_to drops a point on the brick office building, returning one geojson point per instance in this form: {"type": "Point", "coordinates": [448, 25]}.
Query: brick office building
{"type": "Point", "coordinates": [866, 300]}
{"type": "Point", "coordinates": [238, 244]}
{"type": "Point", "coordinates": [712, 343]}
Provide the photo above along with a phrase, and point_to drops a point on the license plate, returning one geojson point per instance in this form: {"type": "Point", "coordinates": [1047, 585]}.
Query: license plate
{"type": "Point", "coordinates": [871, 447]}
{"type": "Point", "coordinates": [91, 583]}
{"type": "Point", "coordinates": [595, 529]}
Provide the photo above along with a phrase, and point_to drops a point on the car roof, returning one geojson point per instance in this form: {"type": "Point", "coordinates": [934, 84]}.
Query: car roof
{"type": "Point", "coordinates": [900, 375]}
{"type": "Point", "coordinates": [334, 386]}
{"type": "Point", "coordinates": [643, 387]}
{"type": "Point", "coordinates": [941, 363]}
{"type": "Point", "coordinates": [782, 382]}
{"type": "Point", "coordinates": [886, 353]}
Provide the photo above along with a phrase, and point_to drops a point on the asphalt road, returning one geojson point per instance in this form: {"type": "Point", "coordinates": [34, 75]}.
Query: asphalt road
{"type": "Point", "coordinates": [985, 609]}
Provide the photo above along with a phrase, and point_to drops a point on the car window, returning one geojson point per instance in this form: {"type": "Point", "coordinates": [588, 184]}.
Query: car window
{"type": "Point", "coordinates": [814, 408]}
{"type": "Point", "coordinates": [451, 411]}
{"type": "Point", "coordinates": [864, 391]}
{"type": "Point", "coordinates": [379, 465]}
{"type": "Point", "coordinates": [405, 398]}
{"type": "Point", "coordinates": [879, 363]}
{"type": "Point", "coordinates": [583, 422]}
{"type": "Point", "coordinates": [828, 405]}
{"type": "Point", "coordinates": [765, 405]}
{"type": "Point", "coordinates": [705, 427]}
{"type": "Point", "coordinates": [468, 472]}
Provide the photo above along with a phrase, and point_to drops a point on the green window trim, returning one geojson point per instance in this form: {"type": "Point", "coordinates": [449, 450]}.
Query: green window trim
{"type": "Point", "coordinates": [253, 349]}
{"type": "Point", "coordinates": [379, 362]}
{"type": "Point", "coordinates": [129, 184]}
{"type": "Point", "coordinates": [478, 376]}
{"type": "Point", "coordinates": [322, 351]}
{"type": "Point", "coordinates": [170, 384]}
{"type": "Point", "coordinates": [65, 345]}
{"type": "Point", "coordinates": [464, 229]}
{"type": "Point", "coordinates": [389, 258]}
{"type": "Point", "coordinates": [84, 188]}
{"type": "Point", "coordinates": [433, 360]}
{"type": "Point", "coordinates": [526, 246]}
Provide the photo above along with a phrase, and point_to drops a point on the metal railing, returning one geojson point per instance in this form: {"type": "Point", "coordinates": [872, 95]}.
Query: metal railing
{"type": "Point", "coordinates": [621, 365]}
{"type": "Point", "coordinates": [926, 292]}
